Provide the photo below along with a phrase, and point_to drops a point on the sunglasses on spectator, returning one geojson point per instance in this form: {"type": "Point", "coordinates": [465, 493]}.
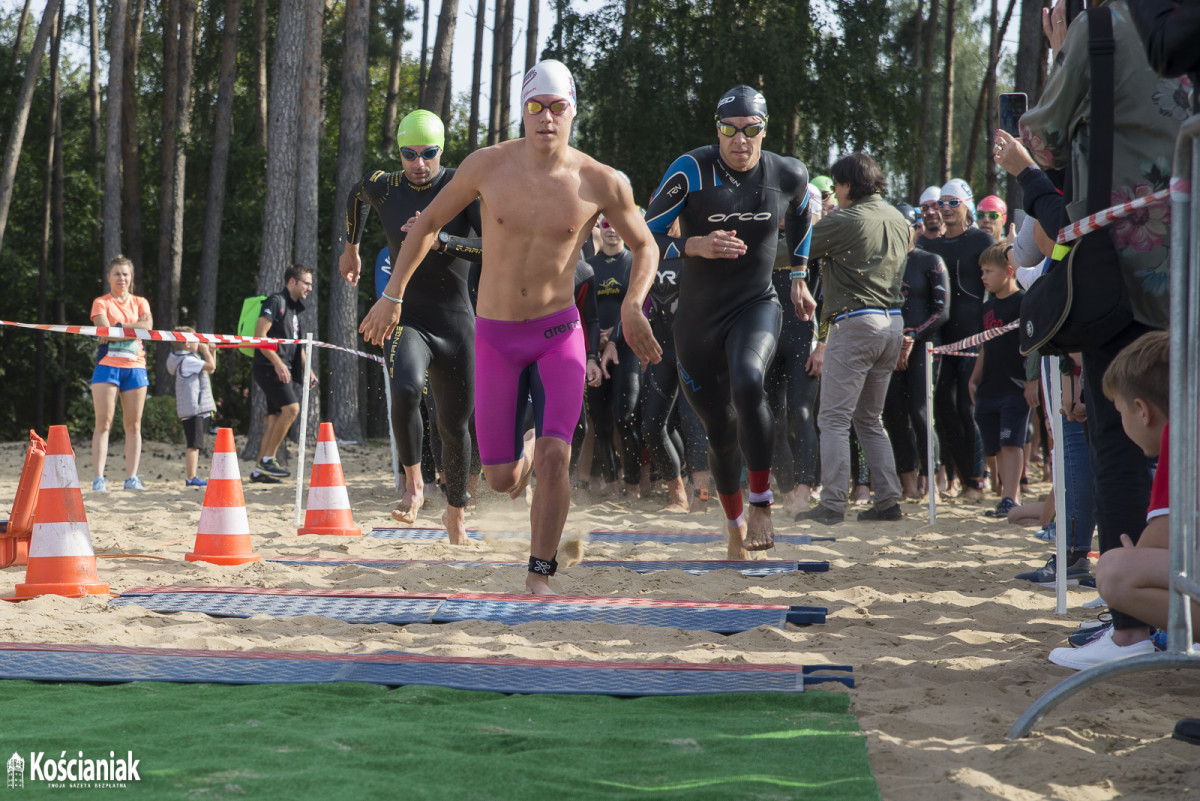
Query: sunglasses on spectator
{"type": "Point", "coordinates": [826, 195]}
{"type": "Point", "coordinates": [752, 130]}
{"type": "Point", "coordinates": [557, 108]}
{"type": "Point", "coordinates": [951, 203]}
{"type": "Point", "coordinates": [605, 224]}
{"type": "Point", "coordinates": [991, 215]}
{"type": "Point", "coordinates": [408, 154]}
{"type": "Point", "coordinates": [929, 206]}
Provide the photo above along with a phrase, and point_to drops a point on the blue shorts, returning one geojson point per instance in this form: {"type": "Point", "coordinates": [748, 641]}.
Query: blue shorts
{"type": "Point", "coordinates": [1002, 421]}
{"type": "Point", "coordinates": [126, 378]}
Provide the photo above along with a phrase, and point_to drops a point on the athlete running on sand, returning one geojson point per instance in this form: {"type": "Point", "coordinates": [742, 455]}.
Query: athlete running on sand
{"type": "Point", "coordinates": [539, 200]}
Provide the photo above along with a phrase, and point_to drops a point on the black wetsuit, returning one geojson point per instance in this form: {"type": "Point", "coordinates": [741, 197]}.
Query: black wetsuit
{"type": "Point", "coordinates": [585, 301]}
{"type": "Point", "coordinates": [728, 320]}
{"type": "Point", "coordinates": [616, 400]}
{"type": "Point", "coordinates": [791, 391]}
{"type": "Point", "coordinates": [661, 389]}
{"type": "Point", "coordinates": [926, 290]}
{"type": "Point", "coordinates": [954, 412]}
{"type": "Point", "coordinates": [436, 333]}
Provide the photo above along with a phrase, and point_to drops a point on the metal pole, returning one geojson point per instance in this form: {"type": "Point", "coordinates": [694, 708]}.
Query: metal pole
{"type": "Point", "coordinates": [1057, 462]}
{"type": "Point", "coordinates": [387, 391]}
{"type": "Point", "coordinates": [931, 478]}
{"type": "Point", "coordinates": [305, 385]}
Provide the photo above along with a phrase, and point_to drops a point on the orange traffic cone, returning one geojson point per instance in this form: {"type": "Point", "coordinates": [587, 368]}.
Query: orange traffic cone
{"type": "Point", "coordinates": [328, 509]}
{"type": "Point", "coordinates": [223, 536]}
{"type": "Point", "coordinates": [61, 559]}
{"type": "Point", "coordinates": [16, 531]}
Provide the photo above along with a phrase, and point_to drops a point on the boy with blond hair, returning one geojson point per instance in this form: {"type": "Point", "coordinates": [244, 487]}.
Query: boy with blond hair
{"type": "Point", "coordinates": [997, 383]}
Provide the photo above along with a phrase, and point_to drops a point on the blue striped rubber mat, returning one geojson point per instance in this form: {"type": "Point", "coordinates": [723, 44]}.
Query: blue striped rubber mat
{"type": "Point", "coordinates": [665, 537]}
{"type": "Point", "coordinates": [116, 663]}
{"type": "Point", "coordinates": [371, 606]}
{"type": "Point", "coordinates": [754, 569]}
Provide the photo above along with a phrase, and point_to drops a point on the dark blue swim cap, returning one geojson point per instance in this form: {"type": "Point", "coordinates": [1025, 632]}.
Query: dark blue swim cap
{"type": "Point", "coordinates": [741, 101]}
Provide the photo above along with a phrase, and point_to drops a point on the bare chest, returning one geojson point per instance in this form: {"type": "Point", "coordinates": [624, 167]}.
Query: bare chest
{"type": "Point", "coordinates": [553, 208]}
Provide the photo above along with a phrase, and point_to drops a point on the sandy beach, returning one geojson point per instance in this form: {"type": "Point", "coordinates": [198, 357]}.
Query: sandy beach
{"type": "Point", "coordinates": [947, 649]}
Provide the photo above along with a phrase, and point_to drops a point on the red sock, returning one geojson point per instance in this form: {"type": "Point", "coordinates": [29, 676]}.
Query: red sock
{"type": "Point", "coordinates": [732, 504]}
{"type": "Point", "coordinates": [760, 480]}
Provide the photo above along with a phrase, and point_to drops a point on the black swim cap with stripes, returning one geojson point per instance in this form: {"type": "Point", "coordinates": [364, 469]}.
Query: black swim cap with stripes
{"type": "Point", "coordinates": [741, 101]}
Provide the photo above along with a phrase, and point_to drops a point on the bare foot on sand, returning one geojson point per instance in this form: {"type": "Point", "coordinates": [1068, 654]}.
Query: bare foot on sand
{"type": "Point", "coordinates": [736, 551]}
{"type": "Point", "coordinates": [633, 492]}
{"type": "Point", "coordinates": [699, 502]}
{"type": "Point", "coordinates": [677, 503]}
{"type": "Point", "coordinates": [760, 534]}
{"type": "Point", "coordinates": [410, 503]}
{"type": "Point", "coordinates": [972, 493]}
{"type": "Point", "coordinates": [798, 500]}
{"type": "Point", "coordinates": [518, 492]}
{"type": "Point", "coordinates": [455, 522]}
{"type": "Point", "coordinates": [862, 495]}
{"type": "Point", "coordinates": [537, 584]}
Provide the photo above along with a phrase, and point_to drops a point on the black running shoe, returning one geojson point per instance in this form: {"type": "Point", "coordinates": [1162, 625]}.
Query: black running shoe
{"type": "Point", "coordinates": [893, 512]}
{"type": "Point", "coordinates": [821, 514]}
{"type": "Point", "coordinates": [1001, 509]}
{"type": "Point", "coordinates": [260, 477]}
{"type": "Point", "coordinates": [273, 467]}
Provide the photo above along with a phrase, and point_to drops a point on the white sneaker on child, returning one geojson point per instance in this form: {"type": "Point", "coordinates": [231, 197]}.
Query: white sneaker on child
{"type": "Point", "coordinates": [1098, 652]}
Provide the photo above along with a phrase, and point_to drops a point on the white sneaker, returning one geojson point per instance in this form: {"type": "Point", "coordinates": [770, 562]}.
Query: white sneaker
{"type": "Point", "coordinates": [1098, 652]}
{"type": "Point", "coordinates": [1095, 603]}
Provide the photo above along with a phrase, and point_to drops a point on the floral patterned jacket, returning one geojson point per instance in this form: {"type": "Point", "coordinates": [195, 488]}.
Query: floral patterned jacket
{"type": "Point", "coordinates": [1148, 112]}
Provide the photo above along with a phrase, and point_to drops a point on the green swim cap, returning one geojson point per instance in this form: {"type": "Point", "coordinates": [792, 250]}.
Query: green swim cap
{"type": "Point", "coordinates": [421, 127]}
{"type": "Point", "coordinates": [823, 182]}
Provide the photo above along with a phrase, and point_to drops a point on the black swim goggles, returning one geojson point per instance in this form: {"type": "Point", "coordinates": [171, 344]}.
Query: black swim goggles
{"type": "Point", "coordinates": [429, 153]}
{"type": "Point", "coordinates": [752, 130]}
{"type": "Point", "coordinates": [557, 108]}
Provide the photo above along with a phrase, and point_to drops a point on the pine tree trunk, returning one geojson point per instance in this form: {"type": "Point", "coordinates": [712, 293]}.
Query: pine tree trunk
{"type": "Point", "coordinates": [346, 370]}
{"type": "Point", "coordinates": [307, 193]}
{"type": "Point", "coordinates": [437, 89]}
{"type": "Point", "coordinates": [258, 133]}
{"type": "Point", "coordinates": [985, 105]}
{"type": "Point", "coordinates": [58, 384]}
{"type": "Point", "coordinates": [170, 233]}
{"type": "Point", "coordinates": [423, 78]}
{"type": "Point", "coordinates": [16, 138]}
{"type": "Point", "coordinates": [476, 70]}
{"type": "Point", "coordinates": [929, 33]}
{"type": "Point", "coordinates": [214, 205]}
{"type": "Point", "coordinates": [94, 107]}
{"type": "Point", "coordinates": [510, 7]}
{"type": "Point", "coordinates": [495, 94]}
{"type": "Point", "coordinates": [947, 140]}
{"type": "Point", "coordinates": [531, 35]}
{"type": "Point", "coordinates": [279, 210]}
{"type": "Point", "coordinates": [392, 103]}
{"type": "Point", "coordinates": [112, 141]}
{"type": "Point", "coordinates": [16, 51]}
{"type": "Point", "coordinates": [39, 350]}
{"type": "Point", "coordinates": [131, 170]}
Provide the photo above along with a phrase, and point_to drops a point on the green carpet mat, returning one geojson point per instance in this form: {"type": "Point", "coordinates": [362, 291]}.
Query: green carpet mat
{"type": "Point", "coordinates": [355, 741]}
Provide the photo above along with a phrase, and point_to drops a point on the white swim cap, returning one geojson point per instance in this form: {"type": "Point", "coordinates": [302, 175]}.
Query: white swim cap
{"type": "Point", "coordinates": [957, 187]}
{"type": "Point", "coordinates": [930, 194]}
{"type": "Point", "coordinates": [549, 77]}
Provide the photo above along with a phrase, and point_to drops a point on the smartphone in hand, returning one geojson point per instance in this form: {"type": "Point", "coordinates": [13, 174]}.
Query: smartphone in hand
{"type": "Point", "coordinates": [1012, 106]}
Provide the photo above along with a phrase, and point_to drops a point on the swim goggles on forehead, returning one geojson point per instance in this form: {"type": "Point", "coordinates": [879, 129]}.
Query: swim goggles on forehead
{"type": "Point", "coordinates": [752, 130]}
{"type": "Point", "coordinates": [408, 154]}
{"type": "Point", "coordinates": [557, 108]}
{"type": "Point", "coordinates": [952, 203]}
{"type": "Point", "coordinates": [991, 215]}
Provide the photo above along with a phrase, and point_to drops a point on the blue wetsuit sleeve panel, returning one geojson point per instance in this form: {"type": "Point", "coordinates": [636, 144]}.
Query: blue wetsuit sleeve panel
{"type": "Point", "coordinates": [683, 176]}
{"type": "Point", "coordinates": [939, 301]}
{"type": "Point", "coordinates": [368, 192]}
{"type": "Point", "coordinates": [798, 229]}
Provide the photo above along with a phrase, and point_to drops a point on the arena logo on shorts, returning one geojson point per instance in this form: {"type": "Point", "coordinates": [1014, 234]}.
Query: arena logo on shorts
{"type": "Point", "coordinates": [745, 216]}
{"type": "Point", "coordinates": [561, 328]}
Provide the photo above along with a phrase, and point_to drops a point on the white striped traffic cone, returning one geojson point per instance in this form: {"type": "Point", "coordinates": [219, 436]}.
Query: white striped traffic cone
{"type": "Point", "coordinates": [328, 509]}
{"type": "Point", "coordinates": [223, 536]}
{"type": "Point", "coordinates": [61, 559]}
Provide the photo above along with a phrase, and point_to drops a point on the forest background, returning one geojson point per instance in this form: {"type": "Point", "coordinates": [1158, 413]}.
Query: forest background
{"type": "Point", "coordinates": [215, 142]}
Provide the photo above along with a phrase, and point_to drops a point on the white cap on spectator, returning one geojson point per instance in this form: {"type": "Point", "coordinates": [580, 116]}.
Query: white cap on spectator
{"type": "Point", "coordinates": [930, 194]}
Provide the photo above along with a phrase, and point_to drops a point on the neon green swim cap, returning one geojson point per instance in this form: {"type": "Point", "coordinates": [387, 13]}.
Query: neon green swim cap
{"type": "Point", "coordinates": [823, 182]}
{"type": "Point", "coordinates": [421, 127]}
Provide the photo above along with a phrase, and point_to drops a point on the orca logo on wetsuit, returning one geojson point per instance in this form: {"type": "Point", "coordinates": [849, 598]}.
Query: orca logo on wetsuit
{"type": "Point", "coordinates": [762, 215]}
{"type": "Point", "coordinates": [561, 328]}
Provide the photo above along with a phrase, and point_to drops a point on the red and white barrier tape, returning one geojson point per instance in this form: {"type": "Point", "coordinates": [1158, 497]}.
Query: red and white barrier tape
{"type": "Point", "coordinates": [182, 336]}
{"type": "Point", "coordinates": [1108, 216]}
{"type": "Point", "coordinates": [955, 348]}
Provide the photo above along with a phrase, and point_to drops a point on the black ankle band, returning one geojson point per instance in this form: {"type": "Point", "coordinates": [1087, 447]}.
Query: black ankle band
{"type": "Point", "coordinates": [542, 567]}
{"type": "Point", "coordinates": [761, 504]}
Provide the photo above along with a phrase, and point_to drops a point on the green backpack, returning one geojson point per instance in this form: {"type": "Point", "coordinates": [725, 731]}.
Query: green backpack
{"type": "Point", "coordinates": [251, 309]}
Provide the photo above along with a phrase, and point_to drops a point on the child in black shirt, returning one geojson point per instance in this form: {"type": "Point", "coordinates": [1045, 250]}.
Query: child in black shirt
{"type": "Point", "coordinates": [998, 382]}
